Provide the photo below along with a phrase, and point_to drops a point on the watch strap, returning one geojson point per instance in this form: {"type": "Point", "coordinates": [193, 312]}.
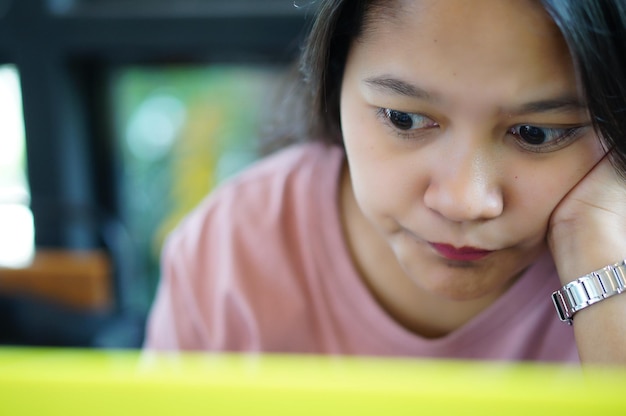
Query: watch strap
{"type": "Point", "coordinates": [589, 289]}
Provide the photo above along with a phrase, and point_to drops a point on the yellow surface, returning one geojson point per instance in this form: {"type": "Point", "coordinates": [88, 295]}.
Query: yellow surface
{"type": "Point", "coordinates": [79, 382]}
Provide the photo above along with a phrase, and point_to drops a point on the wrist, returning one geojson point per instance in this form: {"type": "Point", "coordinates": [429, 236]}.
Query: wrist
{"type": "Point", "coordinates": [580, 247]}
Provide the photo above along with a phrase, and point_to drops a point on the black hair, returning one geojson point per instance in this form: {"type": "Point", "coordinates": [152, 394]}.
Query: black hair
{"type": "Point", "coordinates": [309, 109]}
{"type": "Point", "coordinates": [594, 30]}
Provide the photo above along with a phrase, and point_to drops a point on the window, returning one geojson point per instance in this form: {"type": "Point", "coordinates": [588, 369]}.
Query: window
{"type": "Point", "coordinates": [16, 221]}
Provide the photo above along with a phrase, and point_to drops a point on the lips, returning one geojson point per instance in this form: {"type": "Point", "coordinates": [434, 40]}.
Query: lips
{"type": "Point", "coordinates": [460, 254]}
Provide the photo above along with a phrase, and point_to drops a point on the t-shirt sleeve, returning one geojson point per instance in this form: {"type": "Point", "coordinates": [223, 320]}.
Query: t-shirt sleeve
{"type": "Point", "coordinates": [237, 273]}
{"type": "Point", "coordinates": [206, 299]}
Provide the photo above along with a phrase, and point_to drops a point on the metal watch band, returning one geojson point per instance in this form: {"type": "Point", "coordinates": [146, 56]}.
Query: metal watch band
{"type": "Point", "coordinates": [589, 289]}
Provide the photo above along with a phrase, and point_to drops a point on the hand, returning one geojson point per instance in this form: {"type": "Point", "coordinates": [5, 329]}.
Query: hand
{"type": "Point", "coordinates": [587, 232]}
{"type": "Point", "coordinates": [587, 229]}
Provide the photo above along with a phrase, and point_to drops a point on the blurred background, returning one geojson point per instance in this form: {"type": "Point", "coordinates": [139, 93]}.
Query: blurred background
{"type": "Point", "coordinates": [116, 118]}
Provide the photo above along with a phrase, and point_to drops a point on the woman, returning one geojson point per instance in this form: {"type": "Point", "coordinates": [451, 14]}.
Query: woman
{"type": "Point", "coordinates": [460, 166]}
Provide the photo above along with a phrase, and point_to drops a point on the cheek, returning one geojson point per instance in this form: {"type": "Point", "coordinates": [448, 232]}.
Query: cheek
{"type": "Point", "coordinates": [533, 202]}
{"type": "Point", "coordinates": [369, 174]}
{"type": "Point", "coordinates": [380, 179]}
{"type": "Point", "coordinates": [546, 183]}
{"type": "Point", "coordinates": [361, 147]}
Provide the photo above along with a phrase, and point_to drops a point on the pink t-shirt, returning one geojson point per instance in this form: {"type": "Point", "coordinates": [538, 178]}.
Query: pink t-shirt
{"type": "Point", "coordinates": [262, 265]}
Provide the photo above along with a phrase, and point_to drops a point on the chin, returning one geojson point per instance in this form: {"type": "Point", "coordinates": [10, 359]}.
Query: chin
{"type": "Point", "coordinates": [463, 284]}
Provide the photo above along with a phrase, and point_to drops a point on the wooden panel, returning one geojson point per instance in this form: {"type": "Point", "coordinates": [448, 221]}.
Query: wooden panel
{"type": "Point", "coordinates": [79, 279]}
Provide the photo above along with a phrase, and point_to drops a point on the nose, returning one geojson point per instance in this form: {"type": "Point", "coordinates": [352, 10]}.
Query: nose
{"type": "Point", "coordinates": [464, 186]}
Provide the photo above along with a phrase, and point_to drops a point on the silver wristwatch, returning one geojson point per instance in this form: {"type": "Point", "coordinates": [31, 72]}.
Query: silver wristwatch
{"type": "Point", "coordinates": [589, 289]}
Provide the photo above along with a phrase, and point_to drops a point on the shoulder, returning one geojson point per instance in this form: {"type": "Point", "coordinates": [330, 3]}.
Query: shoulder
{"type": "Point", "coordinates": [295, 162]}
{"type": "Point", "coordinates": [261, 201]}
{"type": "Point", "coordinates": [268, 183]}
{"type": "Point", "coordinates": [239, 265]}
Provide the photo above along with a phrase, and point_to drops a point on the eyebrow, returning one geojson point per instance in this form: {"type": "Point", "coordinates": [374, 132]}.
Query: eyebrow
{"type": "Point", "coordinates": [397, 86]}
{"type": "Point", "coordinates": [564, 104]}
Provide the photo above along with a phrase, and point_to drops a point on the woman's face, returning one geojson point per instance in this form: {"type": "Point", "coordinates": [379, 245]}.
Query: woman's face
{"type": "Point", "coordinates": [464, 129]}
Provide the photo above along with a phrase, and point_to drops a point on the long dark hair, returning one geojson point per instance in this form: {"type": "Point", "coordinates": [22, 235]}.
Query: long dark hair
{"type": "Point", "coordinates": [595, 31]}
{"type": "Point", "coordinates": [309, 109]}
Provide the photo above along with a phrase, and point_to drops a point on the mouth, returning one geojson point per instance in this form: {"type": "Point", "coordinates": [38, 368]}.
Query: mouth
{"type": "Point", "coordinates": [460, 253]}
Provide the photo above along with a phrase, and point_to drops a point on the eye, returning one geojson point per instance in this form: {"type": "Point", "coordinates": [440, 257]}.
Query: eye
{"type": "Point", "coordinates": [545, 139]}
{"type": "Point", "coordinates": [406, 121]}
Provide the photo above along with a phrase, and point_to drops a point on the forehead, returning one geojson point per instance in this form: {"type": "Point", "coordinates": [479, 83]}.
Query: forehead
{"type": "Point", "coordinates": [381, 14]}
{"type": "Point", "coordinates": [488, 44]}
